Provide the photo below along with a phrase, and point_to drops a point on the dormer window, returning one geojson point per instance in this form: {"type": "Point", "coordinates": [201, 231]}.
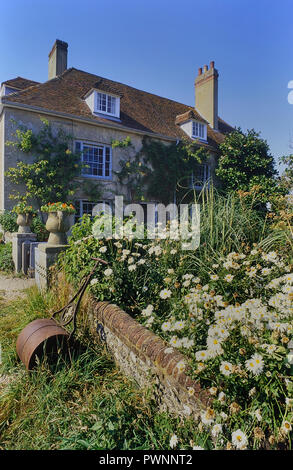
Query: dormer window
{"type": "Point", "coordinates": [5, 90]}
{"type": "Point", "coordinates": [106, 103]}
{"type": "Point", "coordinates": [198, 130]}
{"type": "Point", "coordinates": [103, 104]}
{"type": "Point", "coordinates": [193, 125]}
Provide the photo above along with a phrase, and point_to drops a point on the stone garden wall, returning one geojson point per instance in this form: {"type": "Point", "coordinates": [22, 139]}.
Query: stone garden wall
{"type": "Point", "coordinates": [144, 356]}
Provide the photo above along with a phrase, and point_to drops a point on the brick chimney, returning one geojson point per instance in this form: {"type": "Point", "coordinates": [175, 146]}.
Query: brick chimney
{"type": "Point", "coordinates": [206, 94]}
{"type": "Point", "coordinates": [57, 59]}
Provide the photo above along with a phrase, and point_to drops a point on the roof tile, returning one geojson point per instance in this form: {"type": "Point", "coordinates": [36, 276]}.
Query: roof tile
{"type": "Point", "coordinates": [139, 110]}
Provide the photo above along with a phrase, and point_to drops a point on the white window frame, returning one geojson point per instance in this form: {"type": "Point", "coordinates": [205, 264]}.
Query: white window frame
{"type": "Point", "coordinates": [202, 130]}
{"type": "Point", "coordinates": [82, 203]}
{"type": "Point", "coordinates": [207, 173]}
{"type": "Point", "coordinates": [82, 144]}
{"type": "Point", "coordinates": [107, 96]}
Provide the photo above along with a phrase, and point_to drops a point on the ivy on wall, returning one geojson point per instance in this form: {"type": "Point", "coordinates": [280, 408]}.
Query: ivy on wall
{"type": "Point", "coordinates": [158, 171]}
{"type": "Point", "coordinates": [51, 174]}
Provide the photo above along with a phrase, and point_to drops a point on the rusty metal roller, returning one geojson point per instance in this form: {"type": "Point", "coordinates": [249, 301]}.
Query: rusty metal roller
{"type": "Point", "coordinates": [45, 336]}
{"type": "Point", "coordinates": [38, 337]}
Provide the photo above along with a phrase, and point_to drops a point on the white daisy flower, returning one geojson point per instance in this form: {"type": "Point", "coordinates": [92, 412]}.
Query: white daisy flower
{"type": "Point", "coordinates": [165, 294]}
{"type": "Point", "coordinates": [175, 341]}
{"type": "Point", "coordinates": [173, 441]}
{"type": "Point", "coordinates": [226, 368]}
{"type": "Point", "coordinates": [255, 364]}
{"type": "Point", "coordinates": [207, 417]}
{"type": "Point", "coordinates": [216, 430]}
{"type": "Point", "coordinates": [146, 312]}
{"type": "Point", "coordinates": [132, 267]}
{"type": "Point", "coordinates": [286, 427]}
{"type": "Point", "coordinates": [239, 439]}
{"type": "Point", "coordinates": [222, 397]}
{"type": "Point", "coordinates": [149, 321]}
{"type": "Point", "coordinates": [202, 355]}
{"type": "Point", "coordinates": [166, 326]}
{"type": "Point", "coordinates": [179, 325]}
{"type": "Point", "coordinates": [108, 272]}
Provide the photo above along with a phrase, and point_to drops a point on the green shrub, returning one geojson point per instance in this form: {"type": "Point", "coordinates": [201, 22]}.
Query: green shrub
{"type": "Point", "coordinates": [39, 229]}
{"type": "Point", "coordinates": [6, 262]}
{"type": "Point", "coordinates": [8, 221]}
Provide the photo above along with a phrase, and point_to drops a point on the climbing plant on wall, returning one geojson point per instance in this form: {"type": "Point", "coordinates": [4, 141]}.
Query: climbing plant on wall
{"type": "Point", "coordinates": [133, 170]}
{"type": "Point", "coordinates": [49, 175]}
{"type": "Point", "coordinates": [159, 171]}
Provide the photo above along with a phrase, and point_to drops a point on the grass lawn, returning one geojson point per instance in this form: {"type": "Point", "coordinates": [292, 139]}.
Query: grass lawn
{"type": "Point", "coordinates": [83, 404]}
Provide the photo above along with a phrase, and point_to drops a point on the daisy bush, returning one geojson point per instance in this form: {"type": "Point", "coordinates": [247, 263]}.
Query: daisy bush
{"type": "Point", "coordinates": [232, 319]}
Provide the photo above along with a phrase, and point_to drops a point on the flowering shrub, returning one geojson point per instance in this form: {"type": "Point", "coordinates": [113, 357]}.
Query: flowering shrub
{"type": "Point", "coordinates": [23, 208]}
{"type": "Point", "coordinates": [232, 319]}
{"type": "Point", "coordinates": [58, 206]}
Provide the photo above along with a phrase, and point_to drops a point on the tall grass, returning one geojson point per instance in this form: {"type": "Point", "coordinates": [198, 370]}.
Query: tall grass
{"type": "Point", "coordinates": [227, 225]}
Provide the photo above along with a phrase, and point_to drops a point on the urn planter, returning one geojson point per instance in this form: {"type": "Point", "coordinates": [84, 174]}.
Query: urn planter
{"type": "Point", "coordinates": [58, 223]}
{"type": "Point", "coordinates": [24, 221]}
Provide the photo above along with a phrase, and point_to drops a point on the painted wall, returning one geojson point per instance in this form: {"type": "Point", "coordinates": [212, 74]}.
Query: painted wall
{"type": "Point", "coordinates": [81, 132]}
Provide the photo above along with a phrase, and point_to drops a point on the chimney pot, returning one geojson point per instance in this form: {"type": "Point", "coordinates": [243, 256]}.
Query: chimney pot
{"type": "Point", "coordinates": [200, 71]}
{"type": "Point", "coordinates": [206, 94]}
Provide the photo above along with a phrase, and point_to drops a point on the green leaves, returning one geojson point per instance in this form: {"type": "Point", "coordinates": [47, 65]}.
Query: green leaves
{"type": "Point", "coordinates": [245, 160]}
{"type": "Point", "coordinates": [52, 173]}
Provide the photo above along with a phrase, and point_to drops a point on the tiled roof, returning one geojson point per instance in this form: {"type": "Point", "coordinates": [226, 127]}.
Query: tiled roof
{"type": "Point", "coordinates": [139, 110]}
{"type": "Point", "coordinates": [20, 83]}
{"type": "Point", "coordinates": [191, 114]}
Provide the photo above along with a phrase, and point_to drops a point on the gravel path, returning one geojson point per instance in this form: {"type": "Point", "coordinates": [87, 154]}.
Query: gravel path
{"type": "Point", "coordinates": [12, 287]}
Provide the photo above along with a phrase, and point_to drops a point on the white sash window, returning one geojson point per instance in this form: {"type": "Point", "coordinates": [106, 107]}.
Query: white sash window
{"type": "Point", "coordinates": [97, 158]}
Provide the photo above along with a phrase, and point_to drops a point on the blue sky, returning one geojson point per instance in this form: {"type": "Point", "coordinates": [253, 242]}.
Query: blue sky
{"type": "Point", "coordinates": [158, 45]}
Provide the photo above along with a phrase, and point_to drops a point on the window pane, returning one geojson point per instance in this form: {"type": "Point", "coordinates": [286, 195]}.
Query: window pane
{"type": "Point", "coordinates": [200, 175]}
{"type": "Point", "coordinates": [101, 102]}
{"type": "Point", "coordinates": [97, 159]}
{"type": "Point", "coordinates": [111, 105]}
{"type": "Point", "coordinates": [198, 130]}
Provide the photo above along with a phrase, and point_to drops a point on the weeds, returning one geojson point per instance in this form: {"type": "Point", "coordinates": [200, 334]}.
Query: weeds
{"type": "Point", "coordinates": [82, 403]}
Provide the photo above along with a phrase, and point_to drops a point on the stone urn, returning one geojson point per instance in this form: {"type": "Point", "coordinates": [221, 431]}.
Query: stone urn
{"type": "Point", "coordinates": [24, 222]}
{"type": "Point", "coordinates": [58, 223]}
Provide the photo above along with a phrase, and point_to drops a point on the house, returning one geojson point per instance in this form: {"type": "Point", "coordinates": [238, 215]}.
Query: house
{"type": "Point", "coordinates": [95, 111]}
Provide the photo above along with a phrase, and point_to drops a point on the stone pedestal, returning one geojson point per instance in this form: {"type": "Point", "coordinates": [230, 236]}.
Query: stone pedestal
{"type": "Point", "coordinates": [45, 256]}
{"type": "Point", "coordinates": [17, 241]}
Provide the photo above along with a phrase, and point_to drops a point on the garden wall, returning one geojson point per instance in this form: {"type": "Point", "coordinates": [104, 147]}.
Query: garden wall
{"type": "Point", "coordinates": [144, 356]}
